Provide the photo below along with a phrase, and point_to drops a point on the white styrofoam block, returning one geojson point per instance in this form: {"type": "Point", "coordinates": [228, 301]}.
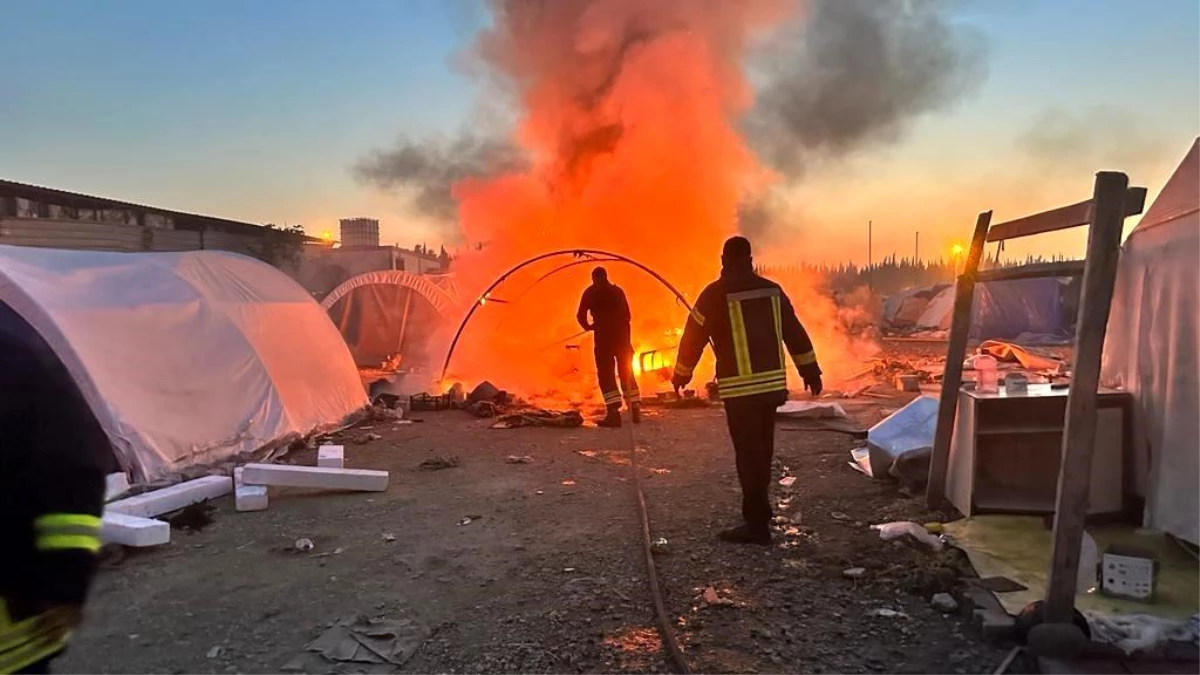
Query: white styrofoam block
{"type": "Point", "coordinates": [315, 477]}
{"type": "Point", "coordinates": [248, 497]}
{"type": "Point", "coordinates": [120, 528]}
{"type": "Point", "coordinates": [158, 502]}
{"type": "Point", "coordinates": [115, 485]}
{"type": "Point", "coordinates": [331, 456]}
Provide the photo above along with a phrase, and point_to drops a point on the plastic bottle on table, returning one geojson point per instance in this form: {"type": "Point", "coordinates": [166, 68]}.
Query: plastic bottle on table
{"type": "Point", "coordinates": [988, 378]}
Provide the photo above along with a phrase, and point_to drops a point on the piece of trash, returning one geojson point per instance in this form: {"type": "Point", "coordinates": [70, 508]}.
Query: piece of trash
{"type": "Point", "coordinates": [359, 639]}
{"type": "Point", "coordinates": [439, 463]}
{"type": "Point", "coordinates": [838, 515]}
{"type": "Point", "coordinates": [787, 481]}
{"type": "Point", "coordinates": [935, 528]}
{"type": "Point", "coordinates": [658, 545]}
{"type": "Point", "coordinates": [810, 410]}
{"type": "Point", "coordinates": [889, 531]}
{"type": "Point", "coordinates": [389, 537]}
{"type": "Point", "coordinates": [943, 602]}
{"type": "Point", "coordinates": [900, 446]}
{"type": "Point", "coordinates": [885, 613]}
{"type": "Point", "coordinates": [303, 545]}
{"type": "Point", "coordinates": [854, 572]}
{"type": "Point", "coordinates": [402, 422]}
{"type": "Point", "coordinates": [568, 482]}
{"type": "Point", "coordinates": [588, 453]}
{"type": "Point", "coordinates": [518, 459]}
{"type": "Point", "coordinates": [568, 569]}
{"type": "Point", "coordinates": [860, 461]}
{"type": "Point", "coordinates": [539, 492]}
{"type": "Point", "coordinates": [467, 520]}
{"type": "Point", "coordinates": [712, 599]}
{"type": "Point", "coordinates": [215, 652]}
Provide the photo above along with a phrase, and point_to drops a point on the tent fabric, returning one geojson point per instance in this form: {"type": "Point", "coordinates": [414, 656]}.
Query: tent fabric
{"type": "Point", "coordinates": [1004, 310]}
{"type": "Point", "coordinates": [185, 358]}
{"type": "Point", "coordinates": [1152, 349]}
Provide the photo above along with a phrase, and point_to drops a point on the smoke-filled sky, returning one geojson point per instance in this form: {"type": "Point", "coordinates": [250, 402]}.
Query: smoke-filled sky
{"type": "Point", "coordinates": [297, 111]}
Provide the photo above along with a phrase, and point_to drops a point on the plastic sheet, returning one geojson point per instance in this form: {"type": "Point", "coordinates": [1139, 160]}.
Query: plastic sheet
{"type": "Point", "coordinates": [902, 436]}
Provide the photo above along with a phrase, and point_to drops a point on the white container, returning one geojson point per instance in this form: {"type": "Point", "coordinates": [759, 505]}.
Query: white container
{"type": "Point", "coordinates": [988, 379]}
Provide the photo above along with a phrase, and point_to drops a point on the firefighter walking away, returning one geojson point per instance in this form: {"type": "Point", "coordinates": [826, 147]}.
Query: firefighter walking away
{"type": "Point", "coordinates": [53, 460]}
{"type": "Point", "coordinates": [750, 321]}
{"type": "Point", "coordinates": [610, 319]}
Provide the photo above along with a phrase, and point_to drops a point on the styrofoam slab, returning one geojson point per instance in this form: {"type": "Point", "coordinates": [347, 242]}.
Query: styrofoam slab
{"type": "Point", "coordinates": [115, 485]}
{"type": "Point", "coordinates": [331, 456]}
{"type": "Point", "coordinates": [120, 528]}
{"type": "Point", "coordinates": [248, 497]}
{"type": "Point", "coordinates": [158, 502]}
{"type": "Point", "coordinates": [315, 477]}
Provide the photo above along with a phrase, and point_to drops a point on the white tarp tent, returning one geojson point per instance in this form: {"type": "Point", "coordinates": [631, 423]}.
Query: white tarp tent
{"type": "Point", "coordinates": [1152, 349]}
{"type": "Point", "coordinates": [185, 358]}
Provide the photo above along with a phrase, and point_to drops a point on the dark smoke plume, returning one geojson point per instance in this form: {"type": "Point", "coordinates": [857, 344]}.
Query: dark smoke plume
{"type": "Point", "coordinates": [859, 73]}
{"type": "Point", "coordinates": [431, 167]}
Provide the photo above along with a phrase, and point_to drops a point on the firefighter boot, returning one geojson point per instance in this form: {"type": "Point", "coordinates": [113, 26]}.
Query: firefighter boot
{"type": "Point", "coordinates": [635, 412]}
{"type": "Point", "coordinates": [613, 418]}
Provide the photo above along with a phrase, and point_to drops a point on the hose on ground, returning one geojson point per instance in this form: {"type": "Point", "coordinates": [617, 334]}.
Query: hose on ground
{"type": "Point", "coordinates": [665, 629]}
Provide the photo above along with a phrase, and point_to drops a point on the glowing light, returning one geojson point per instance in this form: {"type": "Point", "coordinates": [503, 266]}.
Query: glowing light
{"type": "Point", "coordinates": [956, 250]}
{"type": "Point", "coordinates": [327, 236]}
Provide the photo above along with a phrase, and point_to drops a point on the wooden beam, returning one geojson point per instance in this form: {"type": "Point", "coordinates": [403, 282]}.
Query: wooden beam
{"type": "Point", "coordinates": [960, 330]}
{"type": "Point", "coordinates": [1063, 218]}
{"type": "Point", "coordinates": [1079, 435]}
{"type": "Point", "coordinates": [1065, 268]}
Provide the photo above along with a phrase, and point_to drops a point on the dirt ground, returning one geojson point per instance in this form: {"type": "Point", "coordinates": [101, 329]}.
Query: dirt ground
{"type": "Point", "coordinates": [548, 574]}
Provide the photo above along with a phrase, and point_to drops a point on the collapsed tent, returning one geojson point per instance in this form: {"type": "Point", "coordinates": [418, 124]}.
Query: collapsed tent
{"type": "Point", "coordinates": [1004, 310]}
{"type": "Point", "coordinates": [1151, 349]}
{"type": "Point", "coordinates": [185, 358]}
{"type": "Point", "coordinates": [904, 309]}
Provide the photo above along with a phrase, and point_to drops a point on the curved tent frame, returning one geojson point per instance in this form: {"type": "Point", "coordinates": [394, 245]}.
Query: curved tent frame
{"type": "Point", "coordinates": [422, 284]}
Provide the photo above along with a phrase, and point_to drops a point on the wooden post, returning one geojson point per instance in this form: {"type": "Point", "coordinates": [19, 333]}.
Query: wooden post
{"type": "Point", "coordinates": [404, 322]}
{"type": "Point", "coordinates": [960, 330]}
{"type": "Point", "coordinates": [1079, 435]}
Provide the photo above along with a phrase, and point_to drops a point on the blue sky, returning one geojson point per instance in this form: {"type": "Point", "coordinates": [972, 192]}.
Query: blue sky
{"type": "Point", "coordinates": [256, 110]}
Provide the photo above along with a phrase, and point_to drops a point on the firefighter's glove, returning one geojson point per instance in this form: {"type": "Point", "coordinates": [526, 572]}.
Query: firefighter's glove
{"type": "Point", "coordinates": [679, 382]}
{"type": "Point", "coordinates": [812, 382]}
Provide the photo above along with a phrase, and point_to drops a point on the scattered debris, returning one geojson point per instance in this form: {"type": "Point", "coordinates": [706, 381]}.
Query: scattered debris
{"type": "Point", "coordinates": [860, 461]}
{"type": "Point", "coordinates": [943, 602]}
{"type": "Point", "coordinates": [886, 613]}
{"type": "Point", "coordinates": [467, 520]}
{"type": "Point", "coordinates": [115, 485]}
{"type": "Point", "coordinates": [896, 530]}
{"type": "Point", "coordinates": [854, 572]}
{"type": "Point", "coordinates": [518, 459]}
{"type": "Point", "coordinates": [193, 517]}
{"type": "Point", "coordinates": [787, 481]}
{"type": "Point", "coordinates": [333, 456]}
{"type": "Point", "coordinates": [430, 403]}
{"type": "Point", "coordinates": [810, 410]}
{"type": "Point", "coordinates": [389, 537]}
{"type": "Point", "coordinates": [659, 546]}
{"type": "Point", "coordinates": [367, 438]}
{"type": "Point", "coordinates": [215, 652]}
{"type": "Point", "coordinates": [568, 570]}
{"type": "Point", "coordinates": [712, 599]}
{"type": "Point", "coordinates": [303, 545]}
{"type": "Point", "coordinates": [119, 528]}
{"type": "Point", "coordinates": [364, 640]}
{"type": "Point", "coordinates": [482, 409]}
{"type": "Point", "coordinates": [536, 417]}
{"type": "Point", "coordinates": [569, 483]}
{"type": "Point", "coordinates": [1141, 632]}
{"type": "Point", "coordinates": [900, 445]}
{"type": "Point", "coordinates": [439, 463]}
{"type": "Point", "coordinates": [838, 515]}
{"type": "Point", "coordinates": [248, 497]}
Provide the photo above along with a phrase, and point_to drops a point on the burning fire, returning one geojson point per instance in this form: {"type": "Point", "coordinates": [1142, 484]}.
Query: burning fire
{"type": "Point", "coordinates": [628, 113]}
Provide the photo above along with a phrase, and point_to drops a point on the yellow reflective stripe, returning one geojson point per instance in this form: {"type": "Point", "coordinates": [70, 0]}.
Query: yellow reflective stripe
{"type": "Point", "coordinates": [633, 397]}
{"type": "Point", "coordinates": [778, 312]}
{"type": "Point", "coordinates": [67, 520]}
{"type": "Point", "coordinates": [737, 328]}
{"type": "Point", "coordinates": [750, 390]}
{"type": "Point", "coordinates": [752, 378]}
{"type": "Point", "coordinates": [60, 542]}
{"type": "Point", "coordinates": [806, 358]}
{"type": "Point", "coordinates": [36, 649]}
{"type": "Point", "coordinates": [682, 370]}
{"type": "Point", "coordinates": [697, 317]}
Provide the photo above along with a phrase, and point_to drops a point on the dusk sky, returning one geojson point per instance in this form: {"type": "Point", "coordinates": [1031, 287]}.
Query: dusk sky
{"type": "Point", "coordinates": [257, 111]}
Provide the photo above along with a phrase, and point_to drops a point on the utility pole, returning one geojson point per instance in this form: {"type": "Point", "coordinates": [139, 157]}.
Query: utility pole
{"type": "Point", "coordinates": [870, 264]}
{"type": "Point", "coordinates": [917, 258]}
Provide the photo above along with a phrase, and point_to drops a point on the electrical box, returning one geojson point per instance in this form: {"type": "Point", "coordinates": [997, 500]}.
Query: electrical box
{"type": "Point", "coordinates": [1128, 573]}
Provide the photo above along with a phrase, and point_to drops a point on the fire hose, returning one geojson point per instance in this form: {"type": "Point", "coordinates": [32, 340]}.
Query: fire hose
{"type": "Point", "coordinates": [665, 629]}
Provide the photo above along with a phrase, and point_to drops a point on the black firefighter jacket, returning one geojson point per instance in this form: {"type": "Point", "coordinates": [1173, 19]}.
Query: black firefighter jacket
{"type": "Point", "coordinates": [750, 321]}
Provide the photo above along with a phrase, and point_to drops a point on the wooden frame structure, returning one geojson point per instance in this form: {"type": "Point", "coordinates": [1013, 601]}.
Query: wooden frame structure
{"type": "Point", "coordinates": [1112, 201]}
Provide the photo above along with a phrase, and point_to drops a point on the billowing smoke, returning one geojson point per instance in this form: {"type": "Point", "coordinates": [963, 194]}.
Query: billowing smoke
{"type": "Point", "coordinates": [858, 73]}
{"type": "Point", "coordinates": [430, 168]}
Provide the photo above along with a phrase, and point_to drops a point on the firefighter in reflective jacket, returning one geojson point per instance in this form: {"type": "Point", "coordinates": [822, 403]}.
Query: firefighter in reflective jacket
{"type": "Point", "coordinates": [750, 321]}
{"type": "Point", "coordinates": [53, 460]}
{"type": "Point", "coordinates": [606, 302]}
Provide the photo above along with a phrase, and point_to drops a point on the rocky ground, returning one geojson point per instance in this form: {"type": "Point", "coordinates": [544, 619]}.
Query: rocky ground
{"type": "Point", "coordinates": [491, 566]}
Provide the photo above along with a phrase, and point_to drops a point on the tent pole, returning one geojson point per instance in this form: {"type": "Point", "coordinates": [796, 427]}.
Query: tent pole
{"type": "Point", "coordinates": [1079, 435]}
{"type": "Point", "coordinates": [404, 322]}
